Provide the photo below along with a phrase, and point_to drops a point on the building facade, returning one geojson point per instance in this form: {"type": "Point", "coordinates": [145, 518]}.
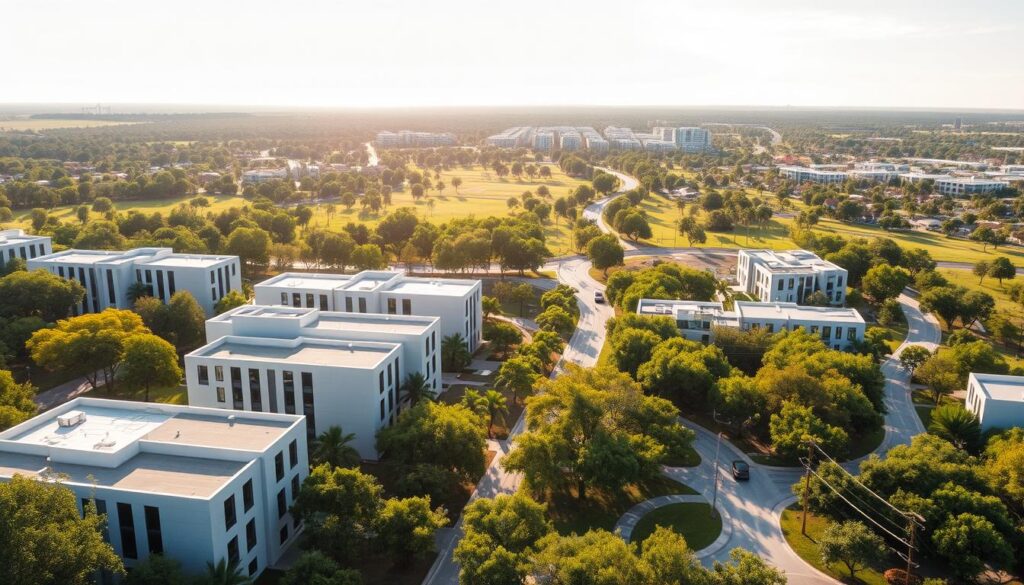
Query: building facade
{"type": "Point", "coordinates": [839, 328]}
{"type": "Point", "coordinates": [195, 484]}
{"type": "Point", "coordinates": [107, 275]}
{"type": "Point", "coordinates": [773, 276]}
{"type": "Point", "coordinates": [806, 175]}
{"type": "Point", "coordinates": [997, 400]}
{"type": "Point", "coordinates": [457, 302]}
{"type": "Point", "coordinates": [691, 139]}
{"type": "Point", "coordinates": [16, 243]}
{"type": "Point", "coordinates": [351, 384]}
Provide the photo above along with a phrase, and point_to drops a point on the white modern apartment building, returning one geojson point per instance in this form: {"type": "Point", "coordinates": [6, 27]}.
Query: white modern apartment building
{"type": "Point", "coordinates": [622, 138]}
{"type": "Point", "coordinates": [351, 384]}
{"type": "Point", "coordinates": [997, 400]}
{"type": "Point", "coordinates": [839, 328]}
{"type": "Point", "coordinates": [570, 141]}
{"type": "Point", "coordinates": [419, 336]}
{"type": "Point", "coordinates": [593, 140]}
{"type": "Point", "coordinates": [956, 186]}
{"type": "Point", "coordinates": [775, 276]}
{"type": "Point", "coordinates": [195, 484]}
{"type": "Point", "coordinates": [387, 139]}
{"type": "Point", "coordinates": [543, 140]}
{"type": "Point", "coordinates": [256, 176]}
{"type": "Point", "coordinates": [692, 139]}
{"type": "Point", "coordinates": [107, 275]}
{"type": "Point", "coordinates": [808, 175]}
{"type": "Point", "coordinates": [457, 302]}
{"type": "Point", "coordinates": [16, 243]}
{"type": "Point", "coordinates": [511, 137]}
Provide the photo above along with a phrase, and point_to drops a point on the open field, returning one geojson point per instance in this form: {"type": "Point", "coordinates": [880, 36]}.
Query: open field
{"type": "Point", "coordinates": [67, 212]}
{"type": "Point", "coordinates": [23, 124]}
{"type": "Point", "coordinates": [806, 547]}
{"type": "Point", "coordinates": [1004, 306]}
{"type": "Point", "coordinates": [691, 520]}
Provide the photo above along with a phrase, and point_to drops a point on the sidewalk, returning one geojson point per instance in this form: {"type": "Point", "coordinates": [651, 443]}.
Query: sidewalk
{"type": "Point", "coordinates": [62, 393]}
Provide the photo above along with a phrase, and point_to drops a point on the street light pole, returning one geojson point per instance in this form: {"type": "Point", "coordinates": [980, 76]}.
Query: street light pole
{"type": "Point", "coordinates": [714, 499]}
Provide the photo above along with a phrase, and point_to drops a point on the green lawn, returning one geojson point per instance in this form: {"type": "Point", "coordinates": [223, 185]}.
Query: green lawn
{"type": "Point", "coordinates": [529, 309]}
{"type": "Point", "coordinates": [602, 510]}
{"type": "Point", "coordinates": [806, 547]}
{"type": "Point", "coordinates": [693, 521]}
{"type": "Point", "coordinates": [689, 458]}
{"type": "Point", "coordinates": [218, 203]}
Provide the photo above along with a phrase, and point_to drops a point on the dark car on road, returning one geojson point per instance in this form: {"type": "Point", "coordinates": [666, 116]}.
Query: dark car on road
{"type": "Point", "coordinates": [740, 470]}
{"type": "Point", "coordinates": [598, 297]}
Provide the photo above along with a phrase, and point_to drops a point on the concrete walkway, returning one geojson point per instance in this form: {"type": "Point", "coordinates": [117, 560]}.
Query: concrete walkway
{"type": "Point", "coordinates": [62, 393]}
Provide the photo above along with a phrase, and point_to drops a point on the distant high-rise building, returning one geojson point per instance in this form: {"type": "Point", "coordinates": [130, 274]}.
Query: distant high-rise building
{"type": "Point", "coordinates": [692, 139]}
{"type": "Point", "coordinates": [958, 123]}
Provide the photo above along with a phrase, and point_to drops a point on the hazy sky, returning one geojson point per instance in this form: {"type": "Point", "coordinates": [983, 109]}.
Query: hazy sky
{"type": "Point", "coordinates": [930, 53]}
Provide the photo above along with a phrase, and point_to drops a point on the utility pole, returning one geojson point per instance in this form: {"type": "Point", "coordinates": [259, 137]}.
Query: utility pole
{"type": "Point", "coordinates": [714, 499]}
{"type": "Point", "coordinates": [912, 520]}
{"type": "Point", "coordinates": [807, 485]}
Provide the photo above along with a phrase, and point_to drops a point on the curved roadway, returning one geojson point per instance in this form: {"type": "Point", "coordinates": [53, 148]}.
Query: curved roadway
{"type": "Point", "coordinates": [751, 508]}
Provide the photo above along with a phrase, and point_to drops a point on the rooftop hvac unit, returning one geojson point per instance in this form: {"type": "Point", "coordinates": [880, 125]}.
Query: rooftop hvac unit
{"type": "Point", "coordinates": [71, 418]}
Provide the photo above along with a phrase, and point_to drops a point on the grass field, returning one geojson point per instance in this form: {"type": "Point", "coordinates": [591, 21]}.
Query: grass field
{"type": "Point", "coordinates": [693, 521]}
{"type": "Point", "coordinates": [1004, 305]}
{"type": "Point", "coordinates": [806, 547]}
{"type": "Point", "coordinates": [218, 203]}
{"type": "Point", "coordinates": [23, 124]}
{"type": "Point", "coordinates": [603, 510]}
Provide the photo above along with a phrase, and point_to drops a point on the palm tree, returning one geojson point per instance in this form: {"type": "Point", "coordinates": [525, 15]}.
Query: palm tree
{"type": "Point", "coordinates": [137, 290]}
{"type": "Point", "coordinates": [224, 573]}
{"type": "Point", "coordinates": [332, 446]}
{"type": "Point", "coordinates": [496, 407]}
{"type": "Point", "coordinates": [454, 353]}
{"type": "Point", "coordinates": [957, 425]}
{"type": "Point", "coordinates": [416, 388]}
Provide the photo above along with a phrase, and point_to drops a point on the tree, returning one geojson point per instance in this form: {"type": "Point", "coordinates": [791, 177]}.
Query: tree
{"type": "Point", "coordinates": [971, 542]}
{"type": "Point", "coordinates": [232, 300]}
{"type": "Point", "coordinates": [594, 427]}
{"type": "Point", "coordinates": [913, 356]}
{"type": "Point", "coordinates": [442, 435]}
{"type": "Point", "coordinates": [518, 375]}
{"type": "Point", "coordinates": [1004, 460]}
{"type": "Point", "coordinates": [147, 360]}
{"type": "Point", "coordinates": [884, 282]}
{"type": "Point", "coordinates": [493, 404]}
{"type": "Point", "coordinates": [556, 319]}
{"type": "Point", "coordinates": [16, 401]}
{"type": "Point", "coordinates": [490, 306]}
{"type": "Point", "coordinates": [981, 269]}
{"type": "Point", "coordinates": [456, 182]}
{"type": "Point", "coordinates": [669, 559]}
{"type": "Point", "coordinates": [945, 301]}
{"type": "Point", "coordinates": [1001, 268]}
{"type": "Point", "coordinates": [225, 573]}
{"type": "Point", "coordinates": [500, 535]}
{"type": "Point", "coordinates": [415, 388]}
{"type": "Point", "coordinates": [689, 227]}
{"type": "Point", "coordinates": [957, 425]}
{"type": "Point", "coordinates": [455, 354]}
{"type": "Point", "coordinates": [39, 293]}
{"type": "Point", "coordinates": [397, 227]}
{"type": "Point", "coordinates": [157, 570]}
{"type": "Point", "coordinates": [604, 252]}
{"type": "Point", "coordinates": [102, 204]}
{"type": "Point", "coordinates": [333, 447]}
{"type": "Point", "coordinates": [604, 183]}
{"type": "Point", "coordinates": [368, 257]}
{"type": "Point", "coordinates": [890, 312]}
{"type": "Point", "coordinates": [339, 507]}
{"type": "Point", "coordinates": [631, 348]}
{"type": "Point", "coordinates": [92, 344]}
{"type": "Point", "coordinates": [502, 336]}
{"type": "Point", "coordinates": [852, 544]}
{"type": "Point", "coordinates": [186, 319]}
{"type": "Point", "coordinates": [597, 556]}
{"type": "Point", "coordinates": [795, 424]}
{"type": "Point", "coordinates": [940, 373]}
{"type": "Point", "coordinates": [406, 527]}
{"type": "Point", "coordinates": [251, 245]}
{"type": "Point", "coordinates": [46, 539]}
{"type": "Point", "coordinates": [315, 568]}
{"type": "Point", "coordinates": [746, 568]}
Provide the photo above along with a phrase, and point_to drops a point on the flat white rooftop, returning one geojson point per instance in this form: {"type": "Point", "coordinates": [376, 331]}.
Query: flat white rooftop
{"type": "Point", "coordinates": [423, 286]}
{"type": "Point", "coordinates": [303, 350]}
{"type": "Point", "coordinates": [790, 259]}
{"type": "Point", "coordinates": [188, 261]}
{"type": "Point", "coordinates": [374, 322]}
{"type": "Point", "coordinates": [78, 257]}
{"type": "Point", "coordinates": [1001, 387]}
{"type": "Point", "coordinates": [669, 307]}
{"type": "Point", "coordinates": [750, 310]}
{"type": "Point", "coordinates": [142, 256]}
{"type": "Point", "coordinates": [325, 282]}
{"type": "Point", "coordinates": [115, 425]}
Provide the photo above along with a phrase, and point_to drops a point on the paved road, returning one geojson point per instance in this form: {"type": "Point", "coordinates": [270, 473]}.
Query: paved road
{"type": "Point", "coordinates": [62, 393]}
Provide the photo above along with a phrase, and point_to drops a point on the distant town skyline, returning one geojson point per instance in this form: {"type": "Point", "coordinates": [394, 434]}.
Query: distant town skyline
{"type": "Point", "coordinates": [398, 54]}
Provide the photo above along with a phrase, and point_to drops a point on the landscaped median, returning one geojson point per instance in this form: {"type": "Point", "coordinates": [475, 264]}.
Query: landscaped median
{"type": "Point", "coordinates": [687, 515]}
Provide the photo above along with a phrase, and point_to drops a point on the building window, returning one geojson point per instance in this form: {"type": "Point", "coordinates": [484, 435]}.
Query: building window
{"type": "Point", "coordinates": [218, 373]}
{"type": "Point", "coordinates": [282, 503]}
{"type": "Point", "coordinates": [153, 533]}
{"type": "Point", "coordinates": [426, 348]}
{"type": "Point", "coordinates": [406, 307]}
{"type": "Point", "coordinates": [362, 304]}
{"type": "Point", "coordinates": [296, 300]}
{"type": "Point", "coordinates": [233, 555]}
{"type": "Point", "coordinates": [160, 283]}
{"type": "Point", "coordinates": [293, 454]}
{"type": "Point", "coordinates": [170, 284]}
{"type": "Point", "coordinates": [284, 298]}
{"type": "Point", "coordinates": [382, 408]}
{"type": "Point", "coordinates": [308, 408]}
{"type": "Point", "coordinates": [110, 287]}
{"type": "Point", "coordinates": [220, 394]}
{"type": "Point", "coordinates": [390, 380]}
{"type": "Point", "coordinates": [204, 375]}
{"type": "Point", "coordinates": [236, 389]}
{"type": "Point", "coordinates": [380, 384]}
{"type": "Point", "coordinates": [250, 535]}
{"type": "Point", "coordinates": [392, 306]}
{"type": "Point", "coordinates": [253, 564]}
{"type": "Point", "coordinates": [284, 533]}
{"type": "Point", "coordinates": [289, 392]}
{"type": "Point", "coordinates": [323, 302]}
{"type": "Point", "coordinates": [247, 497]}
{"type": "Point", "coordinates": [272, 389]}
{"type": "Point", "coordinates": [309, 300]}
{"type": "Point", "coordinates": [348, 304]}
{"type": "Point", "coordinates": [279, 465]}
{"type": "Point", "coordinates": [255, 393]}
{"type": "Point", "coordinates": [126, 522]}
{"type": "Point", "coordinates": [851, 334]}
{"type": "Point", "coordinates": [229, 512]}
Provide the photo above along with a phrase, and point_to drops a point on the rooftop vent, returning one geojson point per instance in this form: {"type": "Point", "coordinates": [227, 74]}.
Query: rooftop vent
{"type": "Point", "coordinates": [71, 418]}
{"type": "Point", "coordinates": [231, 420]}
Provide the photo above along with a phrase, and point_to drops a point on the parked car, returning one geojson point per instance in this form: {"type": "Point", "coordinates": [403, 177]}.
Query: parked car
{"type": "Point", "coordinates": [740, 470]}
{"type": "Point", "coordinates": [598, 297]}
